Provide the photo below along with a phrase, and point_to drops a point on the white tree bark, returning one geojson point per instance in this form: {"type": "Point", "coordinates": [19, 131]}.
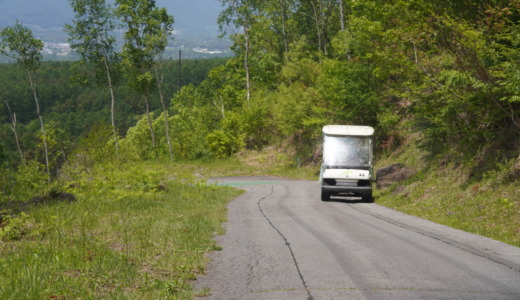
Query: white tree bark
{"type": "Point", "coordinates": [44, 136]}
{"type": "Point", "coordinates": [160, 77]}
{"type": "Point", "coordinates": [13, 128]}
{"type": "Point", "coordinates": [112, 105]}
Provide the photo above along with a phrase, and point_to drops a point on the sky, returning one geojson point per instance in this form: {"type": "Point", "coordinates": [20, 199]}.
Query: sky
{"type": "Point", "coordinates": [188, 14]}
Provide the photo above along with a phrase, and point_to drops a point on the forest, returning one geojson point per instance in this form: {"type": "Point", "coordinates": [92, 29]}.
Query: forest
{"type": "Point", "coordinates": [73, 104]}
{"type": "Point", "coordinates": [446, 69]}
{"type": "Point", "coordinates": [442, 77]}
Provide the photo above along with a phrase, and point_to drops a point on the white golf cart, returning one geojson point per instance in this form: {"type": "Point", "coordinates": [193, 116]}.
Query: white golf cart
{"type": "Point", "coordinates": [347, 169]}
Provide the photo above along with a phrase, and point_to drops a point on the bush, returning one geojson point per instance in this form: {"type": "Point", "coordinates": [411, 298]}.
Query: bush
{"type": "Point", "coordinates": [223, 144]}
{"type": "Point", "coordinates": [6, 184]}
{"type": "Point", "coordinates": [14, 227]}
{"type": "Point", "coordinates": [25, 182]}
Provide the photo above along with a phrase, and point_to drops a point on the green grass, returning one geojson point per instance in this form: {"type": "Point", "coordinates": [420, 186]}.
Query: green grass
{"type": "Point", "coordinates": [444, 193]}
{"type": "Point", "coordinates": [268, 162]}
{"type": "Point", "coordinates": [139, 231]}
{"type": "Point", "coordinates": [277, 162]}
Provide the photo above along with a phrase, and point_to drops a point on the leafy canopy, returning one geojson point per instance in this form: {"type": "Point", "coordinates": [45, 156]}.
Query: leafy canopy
{"type": "Point", "coordinates": [18, 42]}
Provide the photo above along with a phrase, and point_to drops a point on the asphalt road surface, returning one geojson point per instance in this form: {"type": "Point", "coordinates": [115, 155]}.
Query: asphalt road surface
{"type": "Point", "coordinates": [283, 242]}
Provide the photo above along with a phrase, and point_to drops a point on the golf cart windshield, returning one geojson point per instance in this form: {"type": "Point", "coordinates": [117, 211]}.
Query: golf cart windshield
{"type": "Point", "coordinates": [342, 151]}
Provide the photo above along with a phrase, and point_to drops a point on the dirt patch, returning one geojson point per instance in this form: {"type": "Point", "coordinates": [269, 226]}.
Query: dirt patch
{"type": "Point", "coordinates": [394, 173]}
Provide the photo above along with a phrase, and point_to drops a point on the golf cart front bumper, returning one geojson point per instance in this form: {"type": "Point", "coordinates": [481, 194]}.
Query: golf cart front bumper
{"type": "Point", "coordinates": [346, 180]}
{"type": "Point", "coordinates": [346, 188]}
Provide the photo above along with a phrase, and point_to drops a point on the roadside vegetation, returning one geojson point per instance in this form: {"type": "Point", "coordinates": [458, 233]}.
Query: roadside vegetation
{"type": "Point", "coordinates": [123, 230]}
{"type": "Point", "coordinates": [450, 193]}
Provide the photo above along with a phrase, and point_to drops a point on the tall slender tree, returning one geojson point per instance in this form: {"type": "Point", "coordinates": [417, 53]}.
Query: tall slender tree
{"type": "Point", "coordinates": [159, 75]}
{"type": "Point", "coordinates": [277, 15]}
{"type": "Point", "coordinates": [148, 29]}
{"type": "Point", "coordinates": [242, 14]}
{"type": "Point", "coordinates": [91, 35]}
{"type": "Point", "coordinates": [341, 15]}
{"type": "Point", "coordinates": [284, 8]}
{"type": "Point", "coordinates": [18, 42]}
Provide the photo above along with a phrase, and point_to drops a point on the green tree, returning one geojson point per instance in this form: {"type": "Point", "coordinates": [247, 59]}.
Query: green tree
{"type": "Point", "coordinates": [91, 35]}
{"type": "Point", "coordinates": [159, 76]}
{"type": "Point", "coordinates": [18, 42]}
{"type": "Point", "coordinates": [148, 29]}
{"type": "Point", "coordinates": [283, 8]}
{"type": "Point", "coordinates": [242, 14]}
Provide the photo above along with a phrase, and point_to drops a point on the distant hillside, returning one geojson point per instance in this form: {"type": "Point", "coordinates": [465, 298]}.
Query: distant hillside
{"type": "Point", "coordinates": [46, 14]}
{"type": "Point", "coordinates": [195, 22]}
{"type": "Point", "coordinates": [190, 15]}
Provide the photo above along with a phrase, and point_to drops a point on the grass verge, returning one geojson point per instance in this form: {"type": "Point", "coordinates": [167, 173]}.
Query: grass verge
{"type": "Point", "coordinates": [136, 231]}
{"type": "Point", "coordinates": [446, 194]}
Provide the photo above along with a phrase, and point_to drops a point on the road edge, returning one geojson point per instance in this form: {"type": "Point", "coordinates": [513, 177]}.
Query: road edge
{"type": "Point", "coordinates": [494, 250]}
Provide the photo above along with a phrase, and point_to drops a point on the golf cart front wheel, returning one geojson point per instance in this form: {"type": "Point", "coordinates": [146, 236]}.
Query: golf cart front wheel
{"type": "Point", "coordinates": [367, 197]}
{"type": "Point", "coordinates": [325, 195]}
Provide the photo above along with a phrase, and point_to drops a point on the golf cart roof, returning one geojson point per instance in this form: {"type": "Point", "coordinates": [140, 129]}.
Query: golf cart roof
{"type": "Point", "coordinates": [348, 130]}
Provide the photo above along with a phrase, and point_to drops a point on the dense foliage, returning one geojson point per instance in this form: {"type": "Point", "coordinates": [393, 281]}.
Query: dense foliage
{"type": "Point", "coordinates": [449, 69]}
{"type": "Point", "coordinates": [72, 104]}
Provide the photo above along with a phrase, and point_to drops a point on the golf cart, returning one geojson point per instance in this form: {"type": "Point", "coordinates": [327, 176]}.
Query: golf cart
{"type": "Point", "coordinates": [347, 169]}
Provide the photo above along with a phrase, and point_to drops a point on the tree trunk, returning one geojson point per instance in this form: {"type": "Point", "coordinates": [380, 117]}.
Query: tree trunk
{"type": "Point", "coordinates": [220, 106]}
{"type": "Point", "coordinates": [342, 24]}
{"type": "Point", "coordinates": [179, 70]}
{"type": "Point", "coordinates": [165, 112]}
{"type": "Point", "coordinates": [284, 29]}
{"type": "Point", "coordinates": [246, 64]}
{"type": "Point", "coordinates": [44, 137]}
{"type": "Point", "coordinates": [317, 22]}
{"type": "Point", "coordinates": [341, 15]}
{"type": "Point", "coordinates": [150, 125]}
{"type": "Point", "coordinates": [112, 106]}
{"type": "Point", "coordinates": [13, 128]}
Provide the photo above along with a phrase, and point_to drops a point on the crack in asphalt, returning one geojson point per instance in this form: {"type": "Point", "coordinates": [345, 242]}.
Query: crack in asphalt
{"type": "Point", "coordinates": [309, 295]}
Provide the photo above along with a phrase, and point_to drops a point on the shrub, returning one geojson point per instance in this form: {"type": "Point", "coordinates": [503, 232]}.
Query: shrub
{"type": "Point", "coordinates": [14, 227]}
{"type": "Point", "coordinates": [223, 144]}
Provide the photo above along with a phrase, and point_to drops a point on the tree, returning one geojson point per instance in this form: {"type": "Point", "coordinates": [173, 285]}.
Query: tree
{"type": "Point", "coordinates": [91, 36]}
{"type": "Point", "coordinates": [241, 13]}
{"type": "Point", "coordinates": [148, 29]}
{"type": "Point", "coordinates": [279, 13]}
{"type": "Point", "coordinates": [18, 42]}
{"type": "Point", "coordinates": [160, 79]}
{"type": "Point", "coordinates": [283, 16]}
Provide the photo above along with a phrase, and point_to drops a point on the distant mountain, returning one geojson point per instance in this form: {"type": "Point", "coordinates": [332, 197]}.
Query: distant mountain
{"type": "Point", "coordinates": [195, 26]}
{"type": "Point", "coordinates": [47, 14]}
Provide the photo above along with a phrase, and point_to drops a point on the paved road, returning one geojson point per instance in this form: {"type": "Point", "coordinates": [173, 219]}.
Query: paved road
{"type": "Point", "coordinates": [282, 242]}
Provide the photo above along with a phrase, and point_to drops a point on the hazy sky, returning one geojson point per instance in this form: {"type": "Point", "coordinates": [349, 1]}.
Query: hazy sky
{"type": "Point", "coordinates": [47, 13]}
